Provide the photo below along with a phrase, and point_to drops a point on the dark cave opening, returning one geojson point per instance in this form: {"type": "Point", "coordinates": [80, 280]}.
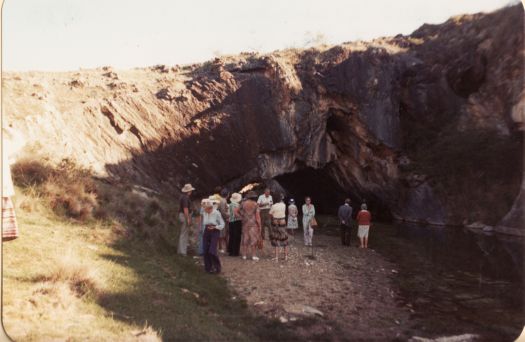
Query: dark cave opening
{"type": "Point", "coordinates": [327, 194]}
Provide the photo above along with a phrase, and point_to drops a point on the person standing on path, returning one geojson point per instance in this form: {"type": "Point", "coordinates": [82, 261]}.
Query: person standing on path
{"type": "Point", "coordinates": [278, 235]}
{"type": "Point", "coordinates": [251, 225]}
{"type": "Point", "coordinates": [364, 218]}
{"type": "Point", "coordinates": [235, 225]}
{"type": "Point", "coordinates": [213, 224]}
{"type": "Point", "coordinates": [345, 217]}
{"type": "Point", "coordinates": [308, 214]}
{"type": "Point", "coordinates": [185, 213]}
{"type": "Point", "coordinates": [223, 209]}
{"type": "Point", "coordinates": [293, 212]}
{"type": "Point", "coordinates": [265, 202]}
{"type": "Point", "coordinates": [200, 226]}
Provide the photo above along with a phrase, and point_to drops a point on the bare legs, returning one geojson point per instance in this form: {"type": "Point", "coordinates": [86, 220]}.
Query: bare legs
{"type": "Point", "coordinates": [285, 250]}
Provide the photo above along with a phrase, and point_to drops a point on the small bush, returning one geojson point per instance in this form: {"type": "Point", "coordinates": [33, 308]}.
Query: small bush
{"type": "Point", "coordinates": [28, 173]}
{"type": "Point", "coordinates": [73, 193]}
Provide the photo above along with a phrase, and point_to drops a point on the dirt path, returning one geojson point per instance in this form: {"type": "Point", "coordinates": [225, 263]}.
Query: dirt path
{"type": "Point", "coordinates": [351, 288]}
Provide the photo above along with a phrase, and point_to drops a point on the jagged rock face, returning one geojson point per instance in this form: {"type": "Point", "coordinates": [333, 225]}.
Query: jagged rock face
{"type": "Point", "coordinates": [361, 116]}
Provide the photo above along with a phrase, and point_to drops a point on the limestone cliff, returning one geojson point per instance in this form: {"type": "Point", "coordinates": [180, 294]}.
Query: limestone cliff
{"type": "Point", "coordinates": [419, 125]}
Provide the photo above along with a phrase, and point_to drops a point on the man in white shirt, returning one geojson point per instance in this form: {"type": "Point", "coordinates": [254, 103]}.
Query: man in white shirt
{"type": "Point", "coordinates": [265, 202]}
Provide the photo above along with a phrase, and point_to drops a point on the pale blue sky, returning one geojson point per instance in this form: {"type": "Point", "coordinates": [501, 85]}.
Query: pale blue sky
{"type": "Point", "coordinates": [73, 34]}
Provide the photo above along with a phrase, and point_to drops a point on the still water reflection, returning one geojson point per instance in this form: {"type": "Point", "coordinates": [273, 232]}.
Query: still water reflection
{"type": "Point", "coordinates": [456, 280]}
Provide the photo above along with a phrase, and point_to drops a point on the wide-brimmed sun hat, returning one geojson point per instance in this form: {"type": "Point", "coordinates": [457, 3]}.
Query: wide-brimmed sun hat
{"type": "Point", "coordinates": [187, 188]}
{"type": "Point", "coordinates": [213, 199]}
{"type": "Point", "coordinates": [251, 194]}
{"type": "Point", "coordinates": [236, 197]}
{"type": "Point", "coordinates": [207, 203]}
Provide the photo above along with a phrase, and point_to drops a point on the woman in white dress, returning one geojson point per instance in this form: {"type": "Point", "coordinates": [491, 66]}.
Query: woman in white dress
{"type": "Point", "coordinates": [308, 215]}
{"type": "Point", "coordinates": [293, 213]}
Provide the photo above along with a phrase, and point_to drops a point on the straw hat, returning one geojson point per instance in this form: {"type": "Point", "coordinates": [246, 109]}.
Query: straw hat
{"type": "Point", "coordinates": [236, 197]}
{"type": "Point", "coordinates": [251, 194]}
{"type": "Point", "coordinates": [187, 188]}
{"type": "Point", "coordinates": [213, 199]}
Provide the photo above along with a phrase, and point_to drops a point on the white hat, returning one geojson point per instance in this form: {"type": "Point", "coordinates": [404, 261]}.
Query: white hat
{"type": "Point", "coordinates": [236, 197]}
{"type": "Point", "coordinates": [206, 203]}
{"type": "Point", "coordinates": [187, 188]}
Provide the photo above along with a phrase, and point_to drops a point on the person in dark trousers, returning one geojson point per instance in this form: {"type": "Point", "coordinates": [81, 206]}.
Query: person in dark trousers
{"type": "Point", "coordinates": [235, 225]}
{"type": "Point", "coordinates": [213, 224]}
{"type": "Point", "coordinates": [345, 217]}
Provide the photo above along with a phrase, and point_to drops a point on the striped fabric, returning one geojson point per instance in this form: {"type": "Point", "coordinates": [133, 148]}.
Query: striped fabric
{"type": "Point", "coordinates": [9, 225]}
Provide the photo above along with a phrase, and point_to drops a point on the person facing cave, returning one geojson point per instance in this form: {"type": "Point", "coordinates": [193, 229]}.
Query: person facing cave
{"type": "Point", "coordinates": [278, 234]}
{"type": "Point", "coordinates": [363, 219]}
{"type": "Point", "coordinates": [345, 218]}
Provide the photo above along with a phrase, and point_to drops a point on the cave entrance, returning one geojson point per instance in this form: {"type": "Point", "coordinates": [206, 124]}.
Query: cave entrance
{"type": "Point", "coordinates": [327, 195]}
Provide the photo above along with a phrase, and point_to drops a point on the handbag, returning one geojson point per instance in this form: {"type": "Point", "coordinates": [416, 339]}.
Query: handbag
{"type": "Point", "coordinates": [313, 223]}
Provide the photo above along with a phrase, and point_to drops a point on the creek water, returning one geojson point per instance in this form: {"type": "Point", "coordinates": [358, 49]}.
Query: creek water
{"type": "Point", "coordinates": [453, 280]}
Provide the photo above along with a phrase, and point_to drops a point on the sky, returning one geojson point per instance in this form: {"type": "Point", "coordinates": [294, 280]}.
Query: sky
{"type": "Point", "coordinates": [55, 35]}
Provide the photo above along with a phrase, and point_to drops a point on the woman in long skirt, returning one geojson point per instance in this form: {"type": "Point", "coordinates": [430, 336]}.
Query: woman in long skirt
{"type": "Point", "coordinates": [278, 235]}
{"type": "Point", "coordinates": [251, 225]}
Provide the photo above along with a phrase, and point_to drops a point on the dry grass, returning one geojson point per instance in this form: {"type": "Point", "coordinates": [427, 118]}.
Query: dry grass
{"type": "Point", "coordinates": [81, 277]}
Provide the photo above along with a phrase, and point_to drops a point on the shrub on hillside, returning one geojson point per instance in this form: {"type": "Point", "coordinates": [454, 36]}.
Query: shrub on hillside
{"type": "Point", "coordinates": [72, 192]}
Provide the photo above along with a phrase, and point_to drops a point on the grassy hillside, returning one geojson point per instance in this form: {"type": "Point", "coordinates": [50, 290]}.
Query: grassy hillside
{"type": "Point", "coordinates": [98, 260]}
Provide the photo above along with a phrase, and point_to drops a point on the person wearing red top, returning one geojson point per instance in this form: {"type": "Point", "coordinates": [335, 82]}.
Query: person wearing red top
{"type": "Point", "coordinates": [363, 221]}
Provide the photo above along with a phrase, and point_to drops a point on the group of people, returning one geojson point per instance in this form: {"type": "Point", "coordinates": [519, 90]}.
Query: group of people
{"type": "Point", "coordinates": [241, 226]}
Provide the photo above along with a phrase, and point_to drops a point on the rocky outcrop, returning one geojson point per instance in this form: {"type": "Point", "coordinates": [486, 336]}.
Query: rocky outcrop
{"type": "Point", "coordinates": [364, 117]}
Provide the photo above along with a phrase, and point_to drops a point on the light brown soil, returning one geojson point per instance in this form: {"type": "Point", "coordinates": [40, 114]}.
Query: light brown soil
{"type": "Point", "coordinates": [349, 285]}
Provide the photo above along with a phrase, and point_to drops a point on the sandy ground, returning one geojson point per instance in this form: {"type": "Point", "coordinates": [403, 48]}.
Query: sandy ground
{"type": "Point", "coordinates": [350, 287]}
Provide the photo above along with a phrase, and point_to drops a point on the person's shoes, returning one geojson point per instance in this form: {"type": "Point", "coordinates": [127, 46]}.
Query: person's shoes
{"type": "Point", "coordinates": [221, 251]}
{"type": "Point", "coordinates": [244, 257]}
{"type": "Point", "coordinates": [254, 258]}
{"type": "Point", "coordinates": [275, 259]}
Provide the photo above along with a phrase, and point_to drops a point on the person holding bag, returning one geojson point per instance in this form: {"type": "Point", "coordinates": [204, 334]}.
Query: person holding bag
{"type": "Point", "coordinates": [309, 222]}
